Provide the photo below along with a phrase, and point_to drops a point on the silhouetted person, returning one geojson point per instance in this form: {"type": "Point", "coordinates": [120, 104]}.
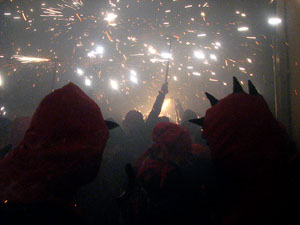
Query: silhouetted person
{"type": "Point", "coordinates": [169, 187]}
{"type": "Point", "coordinates": [249, 149]}
{"type": "Point", "coordinates": [138, 131]}
{"type": "Point", "coordinates": [61, 151]}
{"type": "Point", "coordinates": [98, 200]}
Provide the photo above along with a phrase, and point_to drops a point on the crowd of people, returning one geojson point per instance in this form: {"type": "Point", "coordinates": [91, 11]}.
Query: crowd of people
{"type": "Point", "coordinates": [67, 165]}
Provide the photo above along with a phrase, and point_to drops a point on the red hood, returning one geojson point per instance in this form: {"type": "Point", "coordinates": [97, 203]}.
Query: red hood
{"type": "Point", "coordinates": [61, 150]}
{"type": "Point", "coordinates": [243, 122]}
{"type": "Point", "coordinates": [171, 142]}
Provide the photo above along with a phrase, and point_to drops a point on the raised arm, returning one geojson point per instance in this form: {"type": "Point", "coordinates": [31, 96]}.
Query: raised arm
{"type": "Point", "coordinates": [156, 109]}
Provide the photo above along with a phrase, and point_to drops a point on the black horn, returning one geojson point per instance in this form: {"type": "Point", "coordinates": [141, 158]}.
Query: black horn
{"type": "Point", "coordinates": [252, 89]}
{"type": "Point", "coordinates": [212, 99]}
{"type": "Point", "coordinates": [237, 88]}
{"type": "Point", "coordinates": [199, 122]}
{"type": "Point", "coordinates": [111, 125]}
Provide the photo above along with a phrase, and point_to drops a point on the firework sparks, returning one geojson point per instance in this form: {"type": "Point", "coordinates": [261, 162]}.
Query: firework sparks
{"type": "Point", "coordinates": [29, 59]}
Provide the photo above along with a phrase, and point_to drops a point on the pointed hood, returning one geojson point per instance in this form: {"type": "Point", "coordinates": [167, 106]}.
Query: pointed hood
{"type": "Point", "coordinates": [171, 143]}
{"type": "Point", "coordinates": [61, 150]}
{"type": "Point", "coordinates": [242, 121]}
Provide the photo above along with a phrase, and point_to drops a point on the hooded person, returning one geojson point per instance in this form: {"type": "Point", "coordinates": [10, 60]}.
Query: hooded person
{"type": "Point", "coordinates": [60, 152]}
{"type": "Point", "coordinates": [110, 180]}
{"type": "Point", "coordinates": [168, 174]}
{"type": "Point", "coordinates": [171, 144]}
{"type": "Point", "coordinates": [133, 122]}
{"type": "Point", "coordinates": [135, 134]}
{"type": "Point", "coordinates": [248, 149]}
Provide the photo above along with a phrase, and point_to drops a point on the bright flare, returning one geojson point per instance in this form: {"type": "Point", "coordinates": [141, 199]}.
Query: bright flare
{"type": "Point", "coordinates": [243, 29]}
{"type": "Point", "coordinates": [132, 72]}
{"type": "Point", "coordinates": [165, 105]}
{"type": "Point", "coordinates": [213, 57]}
{"type": "Point", "coordinates": [151, 50]}
{"type": "Point", "coordinates": [274, 21]}
{"type": "Point", "coordinates": [134, 79]}
{"type": "Point", "coordinates": [99, 50]}
{"type": "Point", "coordinates": [199, 55]}
{"type": "Point", "coordinates": [110, 17]}
{"type": "Point", "coordinates": [166, 55]}
{"type": "Point", "coordinates": [88, 82]}
{"type": "Point", "coordinates": [28, 59]}
{"type": "Point", "coordinates": [80, 72]}
{"type": "Point", "coordinates": [114, 84]}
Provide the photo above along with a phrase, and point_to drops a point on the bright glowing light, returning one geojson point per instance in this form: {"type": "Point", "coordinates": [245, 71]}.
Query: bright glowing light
{"type": "Point", "coordinates": [28, 59]}
{"type": "Point", "coordinates": [243, 15]}
{"type": "Point", "coordinates": [2, 108]}
{"type": "Point", "coordinates": [249, 60]}
{"type": "Point", "coordinates": [1, 81]}
{"type": "Point", "coordinates": [218, 44]}
{"type": "Point", "coordinates": [151, 50]}
{"type": "Point", "coordinates": [175, 78]}
{"type": "Point", "coordinates": [199, 55]}
{"type": "Point", "coordinates": [80, 72]}
{"type": "Point", "coordinates": [213, 57]}
{"type": "Point", "coordinates": [99, 50]}
{"type": "Point", "coordinates": [132, 72]}
{"type": "Point", "coordinates": [165, 105]}
{"type": "Point", "coordinates": [274, 21]}
{"type": "Point", "coordinates": [190, 67]}
{"type": "Point", "coordinates": [196, 74]}
{"type": "Point", "coordinates": [114, 84]}
{"type": "Point", "coordinates": [110, 17]}
{"type": "Point", "coordinates": [7, 14]}
{"type": "Point", "coordinates": [134, 79]}
{"type": "Point", "coordinates": [92, 54]}
{"type": "Point", "coordinates": [166, 55]}
{"type": "Point", "coordinates": [243, 29]}
{"type": "Point", "coordinates": [201, 35]}
{"type": "Point", "coordinates": [88, 82]}
{"type": "Point", "coordinates": [242, 69]}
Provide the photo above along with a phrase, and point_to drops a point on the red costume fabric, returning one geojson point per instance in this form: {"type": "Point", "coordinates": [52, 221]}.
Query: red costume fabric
{"type": "Point", "coordinates": [243, 133]}
{"type": "Point", "coordinates": [171, 143]}
{"type": "Point", "coordinates": [60, 152]}
{"type": "Point", "coordinates": [248, 149]}
{"type": "Point", "coordinates": [201, 151]}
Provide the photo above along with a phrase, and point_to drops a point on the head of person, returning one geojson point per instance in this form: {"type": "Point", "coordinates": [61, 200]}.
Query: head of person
{"type": "Point", "coordinates": [61, 150]}
{"type": "Point", "coordinates": [188, 115]}
{"type": "Point", "coordinates": [133, 122]}
{"type": "Point", "coordinates": [171, 144]}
